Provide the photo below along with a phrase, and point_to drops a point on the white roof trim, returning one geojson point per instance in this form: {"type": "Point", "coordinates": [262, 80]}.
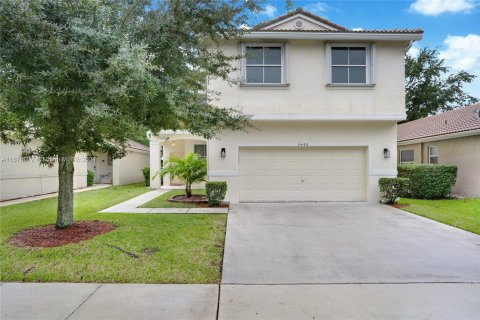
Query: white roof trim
{"type": "Point", "coordinates": [296, 16]}
{"type": "Point", "coordinates": [344, 36]}
{"type": "Point", "coordinates": [331, 117]}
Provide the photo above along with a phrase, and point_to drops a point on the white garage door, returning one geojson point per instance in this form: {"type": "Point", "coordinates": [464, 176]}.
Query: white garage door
{"type": "Point", "coordinates": [302, 174]}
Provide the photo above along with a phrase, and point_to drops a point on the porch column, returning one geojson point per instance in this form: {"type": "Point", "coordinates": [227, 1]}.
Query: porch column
{"type": "Point", "coordinates": [154, 163]}
{"type": "Point", "coordinates": [166, 155]}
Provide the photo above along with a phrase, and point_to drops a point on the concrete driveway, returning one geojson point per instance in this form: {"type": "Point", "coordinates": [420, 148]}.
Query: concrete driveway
{"type": "Point", "coordinates": [346, 261]}
{"type": "Point", "coordinates": [337, 243]}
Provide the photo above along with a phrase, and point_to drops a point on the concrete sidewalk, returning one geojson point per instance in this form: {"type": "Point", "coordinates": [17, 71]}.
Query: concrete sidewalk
{"type": "Point", "coordinates": [132, 205]}
{"type": "Point", "coordinates": [51, 195]}
{"type": "Point", "coordinates": [84, 301]}
{"type": "Point", "coordinates": [107, 301]}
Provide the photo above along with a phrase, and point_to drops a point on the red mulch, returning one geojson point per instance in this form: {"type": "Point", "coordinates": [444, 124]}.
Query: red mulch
{"type": "Point", "coordinates": [48, 236]}
{"type": "Point", "coordinates": [184, 199]}
{"type": "Point", "coordinates": [200, 200]}
{"type": "Point", "coordinates": [398, 206]}
{"type": "Point", "coordinates": [224, 204]}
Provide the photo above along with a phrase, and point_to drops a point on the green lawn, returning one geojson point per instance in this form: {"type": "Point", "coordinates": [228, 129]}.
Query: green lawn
{"type": "Point", "coordinates": [161, 201]}
{"type": "Point", "coordinates": [463, 214]}
{"type": "Point", "coordinates": [189, 247]}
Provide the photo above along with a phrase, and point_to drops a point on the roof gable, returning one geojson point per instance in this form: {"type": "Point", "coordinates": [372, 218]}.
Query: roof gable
{"type": "Point", "coordinates": [308, 21]}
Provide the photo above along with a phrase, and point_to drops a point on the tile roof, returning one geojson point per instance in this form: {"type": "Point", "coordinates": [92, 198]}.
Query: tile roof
{"type": "Point", "coordinates": [136, 145]}
{"type": "Point", "coordinates": [339, 29]}
{"type": "Point", "coordinates": [390, 31]}
{"type": "Point", "coordinates": [459, 120]}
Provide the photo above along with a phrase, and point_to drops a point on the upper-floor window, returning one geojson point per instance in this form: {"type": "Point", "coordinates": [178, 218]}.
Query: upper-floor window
{"type": "Point", "coordinates": [433, 155]}
{"type": "Point", "coordinates": [406, 156]}
{"type": "Point", "coordinates": [349, 64]}
{"type": "Point", "coordinates": [264, 64]}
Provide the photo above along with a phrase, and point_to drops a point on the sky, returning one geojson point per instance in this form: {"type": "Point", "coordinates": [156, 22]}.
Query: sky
{"type": "Point", "coordinates": [450, 26]}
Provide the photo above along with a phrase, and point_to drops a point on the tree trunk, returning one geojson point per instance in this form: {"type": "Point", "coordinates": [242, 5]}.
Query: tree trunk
{"type": "Point", "coordinates": [188, 189]}
{"type": "Point", "coordinates": [65, 192]}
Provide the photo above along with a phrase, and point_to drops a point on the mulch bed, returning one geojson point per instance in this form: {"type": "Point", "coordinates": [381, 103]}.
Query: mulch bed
{"type": "Point", "coordinates": [184, 199]}
{"type": "Point", "coordinates": [48, 236]}
{"type": "Point", "coordinates": [398, 206]}
{"type": "Point", "coordinates": [200, 200]}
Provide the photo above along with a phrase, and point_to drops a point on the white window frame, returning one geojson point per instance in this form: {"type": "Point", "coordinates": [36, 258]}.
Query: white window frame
{"type": "Point", "coordinates": [284, 64]}
{"type": "Point", "coordinates": [370, 53]}
{"type": "Point", "coordinates": [401, 162]}
{"type": "Point", "coordinates": [430, 156]}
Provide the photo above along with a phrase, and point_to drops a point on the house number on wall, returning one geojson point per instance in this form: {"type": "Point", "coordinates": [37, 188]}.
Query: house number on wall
{"type": "Point", "coordinates": [303, 144]}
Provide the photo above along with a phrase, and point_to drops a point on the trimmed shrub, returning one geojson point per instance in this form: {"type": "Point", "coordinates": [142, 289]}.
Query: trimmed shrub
{"type": "Point", "coordinates": [146, 175]}
{"type": "Point", "coordinates": [90, 177]}
{"type": "Point", "coordinates": [428, 181]}
{"type": "Point", "coordinates": [216, 191]}
{"type": "Point", "coordinates": [392, 188]}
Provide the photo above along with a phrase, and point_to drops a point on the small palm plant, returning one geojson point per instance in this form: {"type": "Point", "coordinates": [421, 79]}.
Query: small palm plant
{"type": "Point", "coordinates": [192, 169]}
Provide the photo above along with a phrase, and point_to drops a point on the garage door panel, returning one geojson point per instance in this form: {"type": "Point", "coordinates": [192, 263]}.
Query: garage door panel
{"type": "Point", "coordinates": [247, 182]}
{"type": "Point", "coordinates": [261, 181]}
{"type": "Point", "coordinates": [247, 194]}
{"type": "Point", "coordinates": [293, 169]}
{"type": "Point", "coordinates": [279, 180]}
{"type": "Point", "coordinates": [302, 174]}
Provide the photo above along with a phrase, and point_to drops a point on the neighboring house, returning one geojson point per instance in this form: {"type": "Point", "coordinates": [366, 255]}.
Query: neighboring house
{"type": "Point", "coordinates": [325, 102]}
{"type": "Point", "coordinates": [24, 178]}
{"type": "Point", "coordinates": [20, 178]}
{"type": "Point", "coordinates": [452, 137]}
{"type": "Point", "coordinates": [121, 171]}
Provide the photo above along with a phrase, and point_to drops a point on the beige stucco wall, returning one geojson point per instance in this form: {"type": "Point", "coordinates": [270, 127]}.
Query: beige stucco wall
{"type": "Point", "coordinates": [129, 168]}
{"type": "Point", "coordinates": [373, 135]}
{"type": "Point", "coordinates": [308, 93]}
{"type": "Point", "coordinates": [464, 153]}
{"type": "Point", "coordinates": [20, 179]}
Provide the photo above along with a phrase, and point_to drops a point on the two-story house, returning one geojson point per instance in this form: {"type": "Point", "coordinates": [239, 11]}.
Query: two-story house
{"type": "Point", "coordinates": [325, 102]}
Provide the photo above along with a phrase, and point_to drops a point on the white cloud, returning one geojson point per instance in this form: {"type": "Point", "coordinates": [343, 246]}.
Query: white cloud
{"type": "Point", "coordinates": [414, 50]}
{"type": "Point", "coordinates": [436, 7]}
{"type": "Point", "coordinates": [316, 8]}
{"type": "Point", "coordinates": [357, 29]}
{"type": "Point", "coordinates": [462, 53]}
{"type": "Point", "coordinates": [269, 11]}
{"type": "Point", "coordinates": [244, 27]}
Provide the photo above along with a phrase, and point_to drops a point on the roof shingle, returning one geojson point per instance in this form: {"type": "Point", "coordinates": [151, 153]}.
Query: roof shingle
{"type": "Point", "coordinates": [459, 120]}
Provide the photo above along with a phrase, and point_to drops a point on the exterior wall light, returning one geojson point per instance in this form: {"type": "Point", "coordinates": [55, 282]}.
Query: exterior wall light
{"type": "Point", "coordinates": [386, 153]}
{"type": "Point", "coordinates": [223, 153]}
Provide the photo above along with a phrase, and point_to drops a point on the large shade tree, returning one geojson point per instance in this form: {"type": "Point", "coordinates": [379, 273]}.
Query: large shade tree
{"type": "Point", "coordinates": [84, 75]}
{"type": "Point", "coordinates": [431, 87]}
